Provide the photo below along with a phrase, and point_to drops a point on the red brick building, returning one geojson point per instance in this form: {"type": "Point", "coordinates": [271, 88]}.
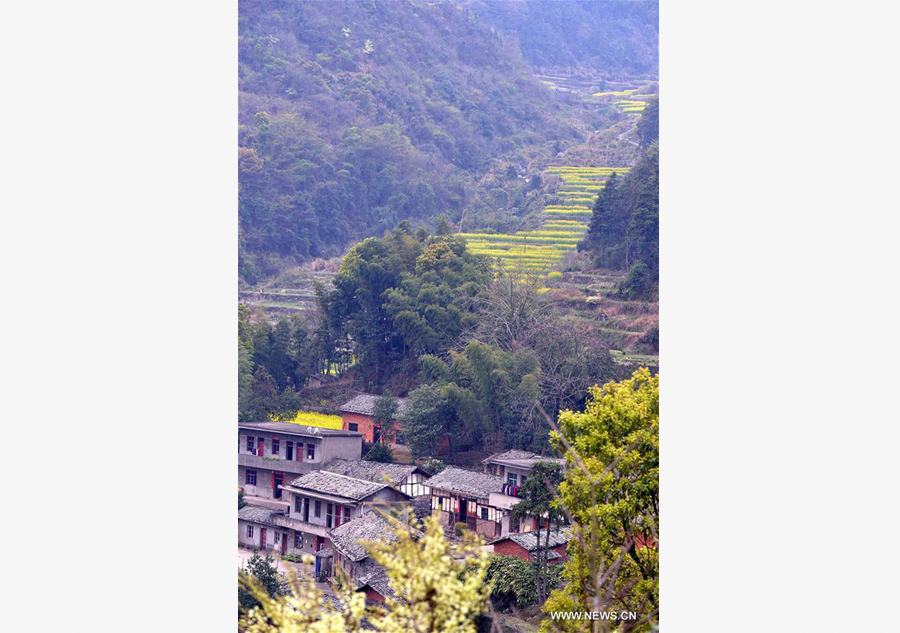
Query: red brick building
{"type": "Point", "coordinates": [358, 415]}
{"type": "Point", "coordinates": [525, 546]}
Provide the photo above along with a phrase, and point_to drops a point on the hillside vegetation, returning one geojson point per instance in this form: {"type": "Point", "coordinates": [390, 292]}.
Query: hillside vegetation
{"type": "Point", "coordinates": [355, 115]}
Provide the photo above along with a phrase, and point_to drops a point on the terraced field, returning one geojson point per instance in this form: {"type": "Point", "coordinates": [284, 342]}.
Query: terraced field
{"type": "Point", "coordinates": [563, 226]}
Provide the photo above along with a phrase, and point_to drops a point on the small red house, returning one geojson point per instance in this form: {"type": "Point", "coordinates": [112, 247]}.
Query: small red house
{"type": "Point", "coordinates": [524, 545]}
{"type": "Point", "coordinates": [358, 414]}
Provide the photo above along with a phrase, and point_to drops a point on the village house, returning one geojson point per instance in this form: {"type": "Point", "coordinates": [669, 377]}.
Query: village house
{"type": "Point", "coordinates": [322, 500]}
{"type": "Point", "coordinates": [476, 500]}
{"type": "Point", "coordinates": [526, 546]}
{"type": "Point", "coordinates": [514, 466]}
{"type": "Point", "coordinates": [358, 414]}
{"type": "Point", "coordinates": [407, 478]}
{"type": "Point", "coordinates": [257, 529]}
{"type": "Point", "coordinates": [272, 453]}
{"type": "Point", "coordinates": [350, 554]}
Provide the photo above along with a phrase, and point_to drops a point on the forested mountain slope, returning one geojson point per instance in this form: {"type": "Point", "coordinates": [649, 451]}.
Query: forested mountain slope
{"type": "Point", "coordinates": [618, 38]}
{"type": "Point", "coordinates": [357, 114]}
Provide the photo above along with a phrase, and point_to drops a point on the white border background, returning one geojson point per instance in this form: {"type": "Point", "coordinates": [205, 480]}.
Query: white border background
{"type": "Point", "coordinates": [118, 252]}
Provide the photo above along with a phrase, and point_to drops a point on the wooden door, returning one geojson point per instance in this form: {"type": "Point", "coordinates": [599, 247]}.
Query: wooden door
{"type": "Point", "coordinates": [262, 539]}
{"type": "Point", "coordinates": [284, 539]}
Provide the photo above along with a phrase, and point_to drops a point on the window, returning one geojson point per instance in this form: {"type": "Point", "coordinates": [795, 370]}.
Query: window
{"type": "Point", "coordinates": [310, 451]}
{"type": "Point", "coordinates": [484, 514]}
{"type": "Point", "coordinates": [328, 514]}
{"type": "Point", "coordinates": [249, 531]}
{"type": "Point", "coordinates": [250, 446]}
{"type": "Point", "coordinates": [277, 538]}
{"type": "Point", "coordinates": [512, 479]}
{"type": "Point", "coordinates": [513, 524]}
{"type": "Point", "coordinates": [251, 477]}
{"type": "Point", "coordinates": [354, 426]}
{"type": "Point", "coordinates": [276, 444]}
{"type": "Point", "coordinates": [298, 540]}
{"type": "Point", "coordinates": [298, 503]}
{"type": "Point", "coordinates": [318, 508]}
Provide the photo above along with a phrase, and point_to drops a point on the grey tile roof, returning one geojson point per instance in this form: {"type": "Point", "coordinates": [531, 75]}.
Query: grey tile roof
{"type": "Point", "coordinates": [375, 577]}
{"type": "Point", "coordinates": [335, 484]}
{"type": "Point", "coordinates": [371, 471]}
{"type": "Point", "coordinates": [551, 555]}
{"type": "Point", "coordinates": [525, 459]}
{"type": "Point", "coordinates": [371, 526]}
{"type": "Point", "coordinates": [289, 428]}
{"type": "Point", "coordinates": [465, 482]}
{"type": "Point", "coordinates": [257, 514]}
{"type": "Point", "coordinates": [528, 540]}
{"type": "Point", "coordinates": [510, 454]}
{"type": "Point", "coordinates": [364, 404]}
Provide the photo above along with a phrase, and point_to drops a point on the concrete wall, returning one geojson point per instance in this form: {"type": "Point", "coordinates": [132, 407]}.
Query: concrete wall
{"type": "Point", "coordinates": [326, 449]}
{"type": "Point", "coordinates": [341, 447]}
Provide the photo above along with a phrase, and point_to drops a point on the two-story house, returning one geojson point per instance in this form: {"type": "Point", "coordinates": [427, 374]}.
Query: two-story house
{"type": "Point", "coordinates": [351, 555]}
{"type": "Point", "coordinates": [322, 500]}
{"type": "Point", "coordinates": [514, 466]}
{"type": "Point", "coordinates": [474, 499]}
{"type": "Point", "coordinates": [358, 414]}
{"type": "Point", "coordinates": [272, 453]}
{"type": "Point", "coordinates": [407, 478]}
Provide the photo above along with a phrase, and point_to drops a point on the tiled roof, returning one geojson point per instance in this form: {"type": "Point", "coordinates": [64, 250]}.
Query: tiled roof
{"type": "Point", "coordinates": [364, 404]}
{"type": "Point", "coordinates": [335, 484]}
{"type": "Point", "coordinates": [465, 482]}
{"type": "Point", "coordinates": [371, 471]}
{"type": "Point", "coordinates": [257, 514]}
{"type": "Point", "coordinates": [289, 428]}
{"type": "Point", "coordinates": [510, 454]}
{"type": "Point", "coordinates": [525, 459]}
{"type": "Point", "coordinates": [371, 526]}
{"type": "Point", "coordinates": [372, 574]}
{"type": "Point", "coordinates": [528, 540]}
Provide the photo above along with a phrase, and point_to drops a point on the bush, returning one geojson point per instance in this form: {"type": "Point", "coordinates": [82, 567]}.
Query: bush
{"type": "Point", "coordinates": [380, 453]}
{"type": "Point", "coordinates": [459, 529]}
{"type": "Point", "coordinates": [515, 581]}
{"type": "Point", "coordinates": [292, 558]}
{"type": "Point", "coordinates": [433, 466]}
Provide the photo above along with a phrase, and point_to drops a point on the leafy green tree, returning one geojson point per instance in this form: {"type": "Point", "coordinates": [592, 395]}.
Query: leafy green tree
{"type": "Point", "coordinates": [515, 581]}
{"type": "Point", "coordinates": [648, 125]}
{"type": "Point", "coordinates": [380, 452]}
{"type": "Point", "coordinates": [538, 500]}
{"type": "Point", "coordinates": [264, 398]}
{"type": "Point", "coordinates": [427, 417]}
{"type": "Point", "coordinates": [611, 492]}
{"type": "Point", "coordinates": [384, 414]}
{"type": "Point", "coordinates": [241, 502]}
{"type": "Point", "coordinates": [264, 572]}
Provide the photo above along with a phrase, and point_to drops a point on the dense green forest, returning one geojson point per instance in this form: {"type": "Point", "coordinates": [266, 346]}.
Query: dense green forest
{"type": "Point", "coordinates": [355, 115]}
{"type": "Point", "coordinates": [624, 228]}
{"type": "Point", "coordinates": [419, 314]}
{"type": "Point", "coordinates": [619, 38]}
